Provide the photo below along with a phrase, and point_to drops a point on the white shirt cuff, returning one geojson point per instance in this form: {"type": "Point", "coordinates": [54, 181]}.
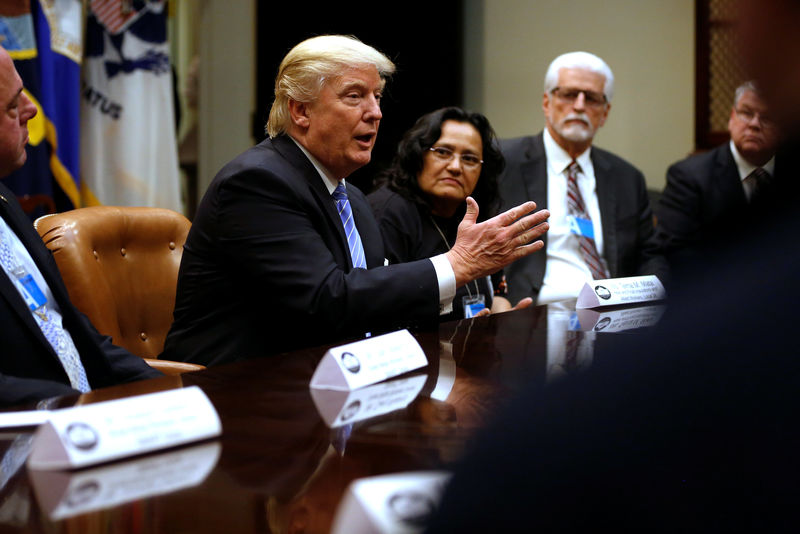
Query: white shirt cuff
{"type": "Point", "coordinates": [447, 283]}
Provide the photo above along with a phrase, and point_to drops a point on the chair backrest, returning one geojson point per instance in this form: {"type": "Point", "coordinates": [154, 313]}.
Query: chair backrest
{"type": "Point", "coordinates": [120, 266]}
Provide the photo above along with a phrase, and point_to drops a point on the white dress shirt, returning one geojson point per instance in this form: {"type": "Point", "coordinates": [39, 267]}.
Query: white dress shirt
{"type": "Point", "coordinates": [566, 271]}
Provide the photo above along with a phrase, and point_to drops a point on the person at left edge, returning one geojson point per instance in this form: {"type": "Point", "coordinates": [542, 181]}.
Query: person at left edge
{"type": "Point", "coordinates": [447, 155]}
{"type": "Point", "coordinates": [267, 266]}
{"type": "Point", "coordinates": [48, 347]}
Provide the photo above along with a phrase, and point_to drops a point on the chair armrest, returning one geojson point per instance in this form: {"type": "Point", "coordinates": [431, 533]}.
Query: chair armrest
{"type": "Point", "coordinates": [169, 367]}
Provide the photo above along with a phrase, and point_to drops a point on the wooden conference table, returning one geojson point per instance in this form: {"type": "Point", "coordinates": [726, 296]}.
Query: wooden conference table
{"type": "Point", "coordinates": [277, 463]}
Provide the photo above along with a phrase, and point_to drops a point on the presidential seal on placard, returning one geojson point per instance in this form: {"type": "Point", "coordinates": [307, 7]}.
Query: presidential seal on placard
{"type": "Point", "coordinates": [602, 324]}
{"type": "Point", "coordinates": [411, 508]}
{"type": "Point", "coordinates": [82, 436]}
{"type": "Point", "coordinates": [350, 362]}
{"type": "Point", "coordinates": [351, 410]}
{"type": "Point", "coordinates": [602, 292]}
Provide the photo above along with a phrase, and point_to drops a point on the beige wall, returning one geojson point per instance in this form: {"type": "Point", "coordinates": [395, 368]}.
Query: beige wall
{"type": "Point", "coordinates": [649, 45]}
{"type": "Point", "coordinates": [227, 81]}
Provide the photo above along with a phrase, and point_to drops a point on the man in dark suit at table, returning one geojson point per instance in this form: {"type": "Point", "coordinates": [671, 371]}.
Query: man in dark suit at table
{"type": "Point", "coordinates": [48, 347]}
{"type": "Point", "coordinates": [706, 191]}
{"type": "Point", "coordinates": [283, 253]}
{"type": "Point", "coordinates": [601, 223]}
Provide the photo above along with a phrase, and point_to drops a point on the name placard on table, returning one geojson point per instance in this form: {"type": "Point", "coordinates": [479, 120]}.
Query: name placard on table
{"type": "Point", "coordinates": [96, 433]}
{"type": "Point", "coordinates": [401, 503]}
{"type": "Point", "coordinates": [65, 494]}
{"type": "Point", "coordinates": [366, 362]}
{"type": "Point", "coordinates": [339, 407]}
{"type": "Point", "coordinates": [620, 291]}
{"type": "Point", "coordinates": [619, 320]}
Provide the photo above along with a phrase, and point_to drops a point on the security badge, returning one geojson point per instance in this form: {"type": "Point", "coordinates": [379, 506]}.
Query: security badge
{"type": "Point", "coordinates": [473, 304]}
{"type": "Point", "coordinates": [33, 295]}
{"type": "Point", "coordinates": [579, 226]}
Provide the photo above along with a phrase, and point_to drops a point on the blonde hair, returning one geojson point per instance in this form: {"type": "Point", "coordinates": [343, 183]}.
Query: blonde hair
{"type": "Point", "coordinates": [307, 67]}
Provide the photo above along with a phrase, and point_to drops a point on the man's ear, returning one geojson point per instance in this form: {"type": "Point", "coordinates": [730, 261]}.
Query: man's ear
{"type": "Point", "coordinates": [299, 112]}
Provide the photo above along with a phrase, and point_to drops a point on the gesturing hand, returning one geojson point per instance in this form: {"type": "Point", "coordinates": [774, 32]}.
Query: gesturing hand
{"type": "Point", "coordinates": [483, 249]}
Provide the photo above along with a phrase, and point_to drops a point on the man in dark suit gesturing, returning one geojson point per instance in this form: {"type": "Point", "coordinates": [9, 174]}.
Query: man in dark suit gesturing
{"type": "Point", "coordinates": [705, 192]}
{"type": "Point", "coordinates": [283, 253]}
{"type": "Point", "coordinates": [601, 224]}
{"type": "Point", "coordinates": [48, 347]}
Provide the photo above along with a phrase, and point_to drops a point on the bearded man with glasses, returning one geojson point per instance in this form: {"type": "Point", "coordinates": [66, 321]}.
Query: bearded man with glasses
{"type": "Point", "coordinates": [705, 191]}
{"type": "Point", "coordinates": [601, 224]}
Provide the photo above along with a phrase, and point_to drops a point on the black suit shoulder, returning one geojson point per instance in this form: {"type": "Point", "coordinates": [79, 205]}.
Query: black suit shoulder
{"type": "Point", "coordinates": [702, 193]}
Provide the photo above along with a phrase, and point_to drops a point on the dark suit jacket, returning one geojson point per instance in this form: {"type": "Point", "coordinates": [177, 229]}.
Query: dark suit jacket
{"type": "Point", "coordinates": [266, 267]}
{"type": "Point", "coordinates": [703, 195]}
{"type": "Point", "coordinates": [630, 248]}
{"type": "Point", "coordinates": [29, 367]}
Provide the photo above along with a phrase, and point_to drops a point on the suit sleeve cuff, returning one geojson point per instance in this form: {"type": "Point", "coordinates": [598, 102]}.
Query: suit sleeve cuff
{"type": "Point", "coordinates": [447, 283]}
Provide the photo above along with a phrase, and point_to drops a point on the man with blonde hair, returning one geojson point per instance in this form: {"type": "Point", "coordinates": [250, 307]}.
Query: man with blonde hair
{"type": "Point", "coordinates": [283, 253]}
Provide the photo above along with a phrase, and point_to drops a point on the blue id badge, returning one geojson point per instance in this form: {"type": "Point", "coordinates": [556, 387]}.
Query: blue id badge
{"type": "Point", "coordinates": [473, 305]}
{"type": "Point", "coordinates": [35, 299]}
{"type": "Point", "coordinates": [581, 226]}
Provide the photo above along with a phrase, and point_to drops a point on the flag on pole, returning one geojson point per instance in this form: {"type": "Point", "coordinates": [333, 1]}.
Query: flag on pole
{"type": "Point", "coordinates": [128, 143]}
{"type": "Point", "coordinates": [44, 38]}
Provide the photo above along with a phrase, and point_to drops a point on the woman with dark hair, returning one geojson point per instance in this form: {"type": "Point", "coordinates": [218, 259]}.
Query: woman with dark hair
{"type": "Point", "coordinates": [448, 155]}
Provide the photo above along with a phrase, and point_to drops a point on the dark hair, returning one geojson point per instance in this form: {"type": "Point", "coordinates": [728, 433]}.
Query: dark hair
{"type": "Point", "coordinates": [401, 176]}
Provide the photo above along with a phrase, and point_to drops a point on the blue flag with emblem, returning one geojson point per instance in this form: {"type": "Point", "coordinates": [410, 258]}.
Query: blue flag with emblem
{"type": "Point", "coordinates": [44, 39]}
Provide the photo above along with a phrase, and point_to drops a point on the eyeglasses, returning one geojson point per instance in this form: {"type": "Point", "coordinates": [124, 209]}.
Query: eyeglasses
{"type": "Point", "coordinates": [591, 98]}
{"type": "Point", "coordinates": [469, 161]}
{"type": "Point", "coordinates": [747, 115]}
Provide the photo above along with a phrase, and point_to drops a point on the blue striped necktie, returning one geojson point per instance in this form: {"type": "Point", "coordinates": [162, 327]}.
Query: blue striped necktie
{"type": "Point", "coordinates": [353, 239]}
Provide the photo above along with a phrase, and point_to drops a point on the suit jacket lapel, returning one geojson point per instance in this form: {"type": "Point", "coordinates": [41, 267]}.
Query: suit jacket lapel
{"type": "Point", "coordinates": [536, 165]}
{"type": "Point", "coordinates": [533, 173]}
{"type": "Point", "coordinates": [8, 289]}
{"type": "Point", "coordinates": [294, 155]}
{"type": "Point", "coordinates": [604, 182]}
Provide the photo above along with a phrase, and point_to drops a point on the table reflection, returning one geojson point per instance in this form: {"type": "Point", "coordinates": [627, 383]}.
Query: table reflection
{"type": "Point", "coordinates": [287, 457]}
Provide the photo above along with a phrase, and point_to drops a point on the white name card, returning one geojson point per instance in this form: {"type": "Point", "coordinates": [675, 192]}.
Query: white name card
{"type": "Point", "coordinates": [64, 494]}
{"type": "Point", "coordinates": [24, 418]}
{"type": "Point", "coordinates": [617, 291]}
{"type": "Point", "coordinates": [620, 320]}
{"type": "Point", "coordinates": [371, 360]}
{"type": "Point", "coordinates": [402, 503]}
{"type": "Point", "coordinates": [95, 433]}
{"type": "Point", "coordinates": [339, 408]}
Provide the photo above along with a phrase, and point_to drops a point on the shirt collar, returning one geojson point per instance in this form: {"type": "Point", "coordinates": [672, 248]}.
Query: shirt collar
{"type": "Point", "coordinates": [745, 167]}
{"type": "Point", "coordinates": [327, 178]}
{"type": "Point", "coordinates": [557, 158]}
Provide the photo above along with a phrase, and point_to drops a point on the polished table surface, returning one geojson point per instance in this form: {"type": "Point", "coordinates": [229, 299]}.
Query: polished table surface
{"type": "Point", "coordinates": [277, 467]}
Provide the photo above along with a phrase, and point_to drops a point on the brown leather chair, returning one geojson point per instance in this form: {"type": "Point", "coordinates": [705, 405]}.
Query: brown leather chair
{"type": "Point", "coordinates": [120, 266]}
